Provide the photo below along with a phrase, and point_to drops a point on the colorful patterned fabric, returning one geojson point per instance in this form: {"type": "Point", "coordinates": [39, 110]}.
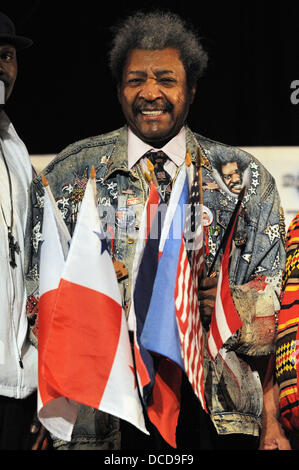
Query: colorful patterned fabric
{"type": "Point", "coordinates": [287, 352]}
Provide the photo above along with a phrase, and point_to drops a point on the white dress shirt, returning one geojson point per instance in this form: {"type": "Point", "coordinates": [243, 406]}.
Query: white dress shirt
{"type": "Point", "coordinates": [175, 149]}
{"type": "Point", "coordinates": [15, 381]}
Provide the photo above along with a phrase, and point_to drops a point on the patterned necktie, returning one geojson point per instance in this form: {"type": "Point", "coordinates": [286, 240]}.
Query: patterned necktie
{"type": "Point", "coordinates": [158, 159]}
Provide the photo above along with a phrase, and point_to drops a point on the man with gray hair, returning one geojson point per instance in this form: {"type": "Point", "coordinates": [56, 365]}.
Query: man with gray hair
{"type": "Point", "coordinates": [157, 60]}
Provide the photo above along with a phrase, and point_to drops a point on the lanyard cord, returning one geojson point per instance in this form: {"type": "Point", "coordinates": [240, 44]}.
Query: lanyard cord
{"type": "Point", "coordinates": [13, 245]}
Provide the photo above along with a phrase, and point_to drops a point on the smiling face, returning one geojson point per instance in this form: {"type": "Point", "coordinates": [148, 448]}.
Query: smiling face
{"type": "Point", "coordinates": [154, 95]}
{"type": "Point", "coordinates": [8, 67]}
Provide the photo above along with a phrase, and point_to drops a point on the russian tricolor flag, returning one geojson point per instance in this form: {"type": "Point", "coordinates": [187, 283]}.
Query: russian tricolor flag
{"type": "Point", "coordinates": [152, 314]}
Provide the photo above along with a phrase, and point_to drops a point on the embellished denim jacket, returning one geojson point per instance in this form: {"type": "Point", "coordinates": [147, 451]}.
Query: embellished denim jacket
{"type": "Point", "coordinates": [233, 388]}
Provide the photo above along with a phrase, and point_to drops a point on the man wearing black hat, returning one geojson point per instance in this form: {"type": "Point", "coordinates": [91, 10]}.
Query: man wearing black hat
{"type": "Point", "coordinates": [18, 356]}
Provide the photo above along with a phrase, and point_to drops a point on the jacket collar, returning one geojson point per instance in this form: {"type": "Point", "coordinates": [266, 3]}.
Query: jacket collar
{"type": "Point", "coordinates": [118, 159]}
{"type": "Point", "coordinates": [194, 146]}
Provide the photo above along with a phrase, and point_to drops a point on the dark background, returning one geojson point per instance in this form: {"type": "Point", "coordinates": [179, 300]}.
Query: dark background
{"type": "Point", "coordinates": [64, 91]}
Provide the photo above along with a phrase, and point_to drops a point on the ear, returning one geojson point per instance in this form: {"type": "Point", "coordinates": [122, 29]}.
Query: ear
{"type": "Point", "coordinates": [118, 88]}
{"type": "Point", "coordinates": [192, 93]}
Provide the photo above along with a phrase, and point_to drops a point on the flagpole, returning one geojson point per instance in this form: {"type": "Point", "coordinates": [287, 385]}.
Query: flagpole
{"type": "Point", "coordinates": [93, 172]}
{"type": "Point", "coordinates": [153, 177]}
{"type": "Point", "coordinates": [44, 180]}
{"type": "Point", "coordinates": [199, 163]}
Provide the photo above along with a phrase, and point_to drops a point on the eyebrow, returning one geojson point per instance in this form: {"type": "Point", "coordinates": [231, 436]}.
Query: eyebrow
{"type": "Point", "coordinates": [7, 47]}
{"type": "Point", "coordinates": [4, 43]}
{"type": "Point", "coordinates": [158, 73]}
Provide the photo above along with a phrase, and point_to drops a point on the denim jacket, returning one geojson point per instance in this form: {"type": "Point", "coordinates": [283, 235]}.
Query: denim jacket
{"type": "Point", "coordinates": [232, 386]}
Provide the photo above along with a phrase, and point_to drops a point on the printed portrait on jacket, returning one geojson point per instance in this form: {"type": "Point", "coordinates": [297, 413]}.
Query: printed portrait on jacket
{"type": "Point", "coordinates": [231, 171]}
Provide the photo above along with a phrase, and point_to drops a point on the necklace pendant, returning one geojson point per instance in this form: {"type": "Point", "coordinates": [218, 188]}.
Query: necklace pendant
{"type": "Point", "coordinates": [13, 249]}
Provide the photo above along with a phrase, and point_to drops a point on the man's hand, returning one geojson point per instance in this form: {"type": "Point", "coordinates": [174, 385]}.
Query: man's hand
{"type": "Point", "coordinates": [40, 436]}
{"type": "Point", "coordinates": [272, 435]}
{"type": "Point", "coordinates": [207, 295]}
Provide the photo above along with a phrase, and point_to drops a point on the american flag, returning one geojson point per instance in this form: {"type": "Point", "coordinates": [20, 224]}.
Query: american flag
{"type": "Point", "coordinates": [225, 318]}
{"type": "Point", "coordinates": [190, 267]}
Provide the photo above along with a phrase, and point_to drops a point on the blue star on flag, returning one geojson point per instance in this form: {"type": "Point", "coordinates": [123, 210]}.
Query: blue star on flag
{"type": "Point", "coordinates": [104, 245]}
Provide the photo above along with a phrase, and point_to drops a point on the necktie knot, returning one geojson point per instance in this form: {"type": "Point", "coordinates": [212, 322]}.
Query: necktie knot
{"type": "Point", "coordinates": [158, 159]}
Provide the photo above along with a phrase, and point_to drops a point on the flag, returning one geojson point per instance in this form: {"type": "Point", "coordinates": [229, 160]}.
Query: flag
{"type": "Point", "coordinates": [225, 318]}
{"type": "Point", "coordinates": [143, 274]}
{"type": "Point", "coordinates": [87, 355]}
{"type": "Point", "coordinates": [189, 270]}
{"type": "Point", "coordinates": [158, 383]}
{"type": "Point", "coordinates": [160, 333]}
{"type": "Point", "coordinates": [155, 313]}
{"type": "Point", "coordinates": [61, 411]}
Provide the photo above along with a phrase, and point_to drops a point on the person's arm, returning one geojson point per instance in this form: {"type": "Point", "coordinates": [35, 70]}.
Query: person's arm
{"type": "Point", "coordinates": [272, 435]}
{"type": "Point", "coordinates": [207, 295]}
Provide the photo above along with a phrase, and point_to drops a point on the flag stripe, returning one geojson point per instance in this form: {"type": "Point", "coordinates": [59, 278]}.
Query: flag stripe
{"type": "Point", "coordinates": [222, 329]}
{"type": "Point", "coordinates": [189, 323]}
{"type": "Point", "coordinates": [142, 371]}
{"type": "Point", "coordinates": [151, 208]}
{"type": "Point", "coordinates": [186, 295]}
{"type": "Point", "coordinates": [164, 407]}
{"type": "Point", "coordinates": [46, 305]}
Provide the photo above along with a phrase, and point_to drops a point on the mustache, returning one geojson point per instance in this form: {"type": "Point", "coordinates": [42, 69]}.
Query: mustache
{"type": "Point", "coordinates": [235, 185]}
{"type": "Point", "coordinates": [142, 105]}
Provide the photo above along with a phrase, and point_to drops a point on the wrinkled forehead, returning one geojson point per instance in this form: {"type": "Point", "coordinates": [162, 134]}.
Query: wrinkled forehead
{"type": "Point", "coordinates": [155, 60]}
{"type": "Point", "coordinates": [5, 45]}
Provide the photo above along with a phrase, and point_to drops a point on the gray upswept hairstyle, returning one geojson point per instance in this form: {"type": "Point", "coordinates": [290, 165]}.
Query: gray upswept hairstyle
{"type": "Point", "coordinates": [155, 31]}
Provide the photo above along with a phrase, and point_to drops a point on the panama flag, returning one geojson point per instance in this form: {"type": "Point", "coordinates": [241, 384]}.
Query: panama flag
{"type": "Point", "coordinates": [87, 356]}
{"type": "Point", "coordinates": [60, 412]}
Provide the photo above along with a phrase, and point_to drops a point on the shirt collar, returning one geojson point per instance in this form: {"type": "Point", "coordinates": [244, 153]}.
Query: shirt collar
{"type": "Point", "coordinates": [7, 130]}
{"type": "Point", "coordinates": [175, 149]}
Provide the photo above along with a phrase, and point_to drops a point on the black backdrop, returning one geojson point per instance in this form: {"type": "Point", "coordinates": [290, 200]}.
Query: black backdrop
{"type": "Point", "coordinates": [64, 91]}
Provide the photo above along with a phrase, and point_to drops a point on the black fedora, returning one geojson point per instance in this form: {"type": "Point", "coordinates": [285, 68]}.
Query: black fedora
{"type": "Point", "coordinates": [8, 34]}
